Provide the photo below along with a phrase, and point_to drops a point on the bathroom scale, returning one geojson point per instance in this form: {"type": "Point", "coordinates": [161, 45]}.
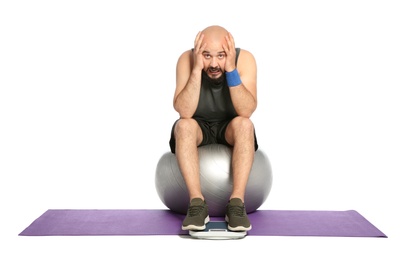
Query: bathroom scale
{"type": "Point", "coordinates": [217, 230]}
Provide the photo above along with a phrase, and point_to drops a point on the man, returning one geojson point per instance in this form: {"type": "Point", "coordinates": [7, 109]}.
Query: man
{"type": "Point", "coordinates": [215, 96]}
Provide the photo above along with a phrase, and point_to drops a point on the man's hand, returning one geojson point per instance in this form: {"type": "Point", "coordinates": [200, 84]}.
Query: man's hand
{"type": "Point", "coordinates": [229, 49]}
{"type": "Point", "coordinates": [198, 52]}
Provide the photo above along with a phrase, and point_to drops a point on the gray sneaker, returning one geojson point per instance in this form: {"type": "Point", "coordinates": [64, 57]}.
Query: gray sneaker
{"type": "Point", "coordinates": [236, 216]}
{"type": "Point", "coordinates": [197, 215]}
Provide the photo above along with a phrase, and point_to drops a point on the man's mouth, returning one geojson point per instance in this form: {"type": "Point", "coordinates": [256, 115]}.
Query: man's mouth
{"type": "Point", "coordinates": [214, 71]}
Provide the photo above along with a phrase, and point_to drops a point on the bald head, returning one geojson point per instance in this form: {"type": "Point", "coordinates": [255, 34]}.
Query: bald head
{"type": "Point", "coordinates": [215, 29]}
{"type": "Point", "coordinates": [214, 36]}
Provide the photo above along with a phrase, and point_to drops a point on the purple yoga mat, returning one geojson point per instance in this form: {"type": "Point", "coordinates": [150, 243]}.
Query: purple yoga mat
{"type": "Point", "coordinates": [98, 222]}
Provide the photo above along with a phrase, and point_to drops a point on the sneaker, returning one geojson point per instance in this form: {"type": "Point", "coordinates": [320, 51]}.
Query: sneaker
{"type": "Point", "coordinates": [197, 215]}
{"type": "Point", "coordinates": [236, 216]}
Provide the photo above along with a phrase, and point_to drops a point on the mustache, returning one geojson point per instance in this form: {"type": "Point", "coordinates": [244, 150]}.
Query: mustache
{"type": "Point", "coordinates": [213, 69]}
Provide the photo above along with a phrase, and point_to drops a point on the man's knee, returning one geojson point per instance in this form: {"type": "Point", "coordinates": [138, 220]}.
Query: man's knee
{"type": "Point", "coordinates": [242, 124]}
{"type": "Point", "coordinates": [186, 127]}
{"type": "Point", "coordinates": [241, 129]}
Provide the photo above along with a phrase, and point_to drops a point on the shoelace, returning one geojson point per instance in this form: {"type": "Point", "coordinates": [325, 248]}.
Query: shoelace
{"type": "Point", "coordinates": [237, 211]}
{"type": "Point", "coordinates": [195, 210]}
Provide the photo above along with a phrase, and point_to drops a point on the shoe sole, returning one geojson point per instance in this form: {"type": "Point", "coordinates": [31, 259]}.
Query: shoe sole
{"type": "Point", "coordinates": [194, 227]}
{"type": "Point", "coordinates": [237, 228]}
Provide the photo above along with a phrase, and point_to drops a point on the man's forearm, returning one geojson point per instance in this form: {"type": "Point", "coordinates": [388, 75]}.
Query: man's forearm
{"type": "Point", "coordinates": [243, 101]}
{"type": "Point", "coordinates": [187, 100]}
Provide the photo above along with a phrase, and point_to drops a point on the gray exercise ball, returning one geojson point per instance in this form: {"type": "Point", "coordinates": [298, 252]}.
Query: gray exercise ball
{"type": "Point", "coordinates": [216, 180]}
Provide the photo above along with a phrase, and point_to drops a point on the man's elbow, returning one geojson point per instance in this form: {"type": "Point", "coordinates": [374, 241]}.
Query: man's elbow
{"type": "Point", "coordinates": [185, 114]}
{"type": "Point", "coordinates": [246, 113]}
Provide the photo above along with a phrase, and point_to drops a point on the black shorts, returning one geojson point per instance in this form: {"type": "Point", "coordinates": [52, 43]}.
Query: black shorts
{"type": "Point", "coordinates": [213, 133]}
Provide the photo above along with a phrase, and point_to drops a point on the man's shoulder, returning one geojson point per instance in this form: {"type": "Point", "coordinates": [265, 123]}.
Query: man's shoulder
{"type": "Point", "coordinates": [245, 55]}
{"type": "Point", "coordinates": [186, 54]}
{"type": "Point", "coordinates": [244, 52]}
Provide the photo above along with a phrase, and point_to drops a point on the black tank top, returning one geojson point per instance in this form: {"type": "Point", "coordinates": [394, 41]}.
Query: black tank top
{"type": "Point", "coordinates": [215, 103]}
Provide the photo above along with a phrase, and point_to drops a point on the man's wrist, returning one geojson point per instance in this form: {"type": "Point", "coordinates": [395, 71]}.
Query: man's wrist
{"type": "Point", "coordinates": [233, 78]}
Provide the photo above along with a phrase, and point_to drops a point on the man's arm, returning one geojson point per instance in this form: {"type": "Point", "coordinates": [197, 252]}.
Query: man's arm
{"type": "Point", "coordinates": [188, 79]}
{"type": "Point", "coordinates": [188, 83]}
{"type": "Point", "coordinates": [244, 96]}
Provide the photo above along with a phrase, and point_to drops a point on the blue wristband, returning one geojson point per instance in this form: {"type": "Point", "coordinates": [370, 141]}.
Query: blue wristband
{"type": "Point", "coordinates": [233, 79]}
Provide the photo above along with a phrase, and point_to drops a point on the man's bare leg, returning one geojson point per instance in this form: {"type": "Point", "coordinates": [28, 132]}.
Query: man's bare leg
{"type": "Point", "coordinates": [188, 135]}
{"type": "Point", "coordinates": [240, 133]}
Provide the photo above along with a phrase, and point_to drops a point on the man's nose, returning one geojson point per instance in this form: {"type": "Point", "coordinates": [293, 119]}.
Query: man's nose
{"type": "Point", "coordinates": [214, 62]}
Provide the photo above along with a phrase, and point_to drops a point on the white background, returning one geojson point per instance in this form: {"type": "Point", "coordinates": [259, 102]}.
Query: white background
{"type": "Point", "coordinates": [86, 110]}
